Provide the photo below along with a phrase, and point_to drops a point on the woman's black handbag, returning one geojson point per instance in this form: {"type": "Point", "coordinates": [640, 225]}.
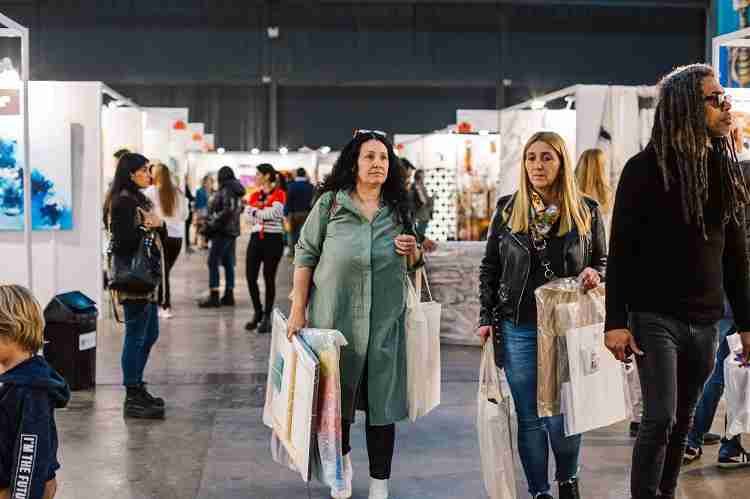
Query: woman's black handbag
{"type": "Point", "coordinates": [141, 274]}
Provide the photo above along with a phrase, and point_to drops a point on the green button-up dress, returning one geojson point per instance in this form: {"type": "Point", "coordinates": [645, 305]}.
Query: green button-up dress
{"type": "Point", "coordinates": [359, 289]}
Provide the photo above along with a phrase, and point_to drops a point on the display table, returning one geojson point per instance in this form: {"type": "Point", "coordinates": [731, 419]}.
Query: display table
{"type": "Point", "coordinates": [453, 271]}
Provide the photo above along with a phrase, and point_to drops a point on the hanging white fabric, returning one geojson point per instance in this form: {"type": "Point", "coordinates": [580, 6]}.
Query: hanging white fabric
{"type": "Point", "coordinates": [422, 349]}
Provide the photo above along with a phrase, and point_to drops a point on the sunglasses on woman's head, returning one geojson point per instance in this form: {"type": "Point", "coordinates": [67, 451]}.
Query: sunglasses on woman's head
{"type": "Point", "coordinates": [370, 132]}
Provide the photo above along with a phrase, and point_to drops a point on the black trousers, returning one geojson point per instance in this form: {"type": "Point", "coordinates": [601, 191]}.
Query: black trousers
{"type": "Point", "coordinates": [678, 359]}
{"type": "Point", "coordinates": [266, 252]}
{"type": "Point", "coordinates": [172, 247]}
{"type": "Point", "coordinates": [188, 224]}
{"type": "Point", "coordinates": [381, 440]}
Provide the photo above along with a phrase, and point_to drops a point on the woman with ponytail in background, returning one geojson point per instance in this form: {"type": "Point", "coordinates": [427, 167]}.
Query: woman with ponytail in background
{"type": "Point", "coordinates": [266, 246]}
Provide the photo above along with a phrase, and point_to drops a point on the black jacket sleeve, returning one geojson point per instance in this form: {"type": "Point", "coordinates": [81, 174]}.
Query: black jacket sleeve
{"type": "Point", "coordinates": [622, 243]}
{"type": "Point", "coordinates": [33, 461]}
{"type": "Point", "coordinates": [126, 234]}
{"type": "Point", "coordinates": [737, 271]}
{"type": "Point", "coordinates": [225, 209]}
{"type": "Point", "coordinates": [599, 243]}
{"type": "Point", "coordinates": [489, 272]}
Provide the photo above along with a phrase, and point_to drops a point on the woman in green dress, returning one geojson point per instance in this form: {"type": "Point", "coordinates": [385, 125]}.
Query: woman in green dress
{"type": "Point", "coordinates": [350, 269]}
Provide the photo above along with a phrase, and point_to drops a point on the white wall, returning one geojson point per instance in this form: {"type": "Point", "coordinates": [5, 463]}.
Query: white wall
{"type": "Point", "coordinates": [122, 127]}
{"type": "Point", "coordinates": [64, 260]}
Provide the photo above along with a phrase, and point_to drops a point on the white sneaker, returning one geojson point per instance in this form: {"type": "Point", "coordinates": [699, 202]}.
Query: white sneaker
{"type": "Point", "coordinates": [165, 313]}
{"type": "Point", "coordinates": [346, 493]}
{"type": "Point", "coordinates": [378, 489]}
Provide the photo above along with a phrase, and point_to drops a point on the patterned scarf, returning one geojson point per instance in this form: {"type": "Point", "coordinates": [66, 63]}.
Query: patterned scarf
{"type": "Point", "coordinates": [541, 217]}
{"type": "Point", "coordinates": [541, 220]}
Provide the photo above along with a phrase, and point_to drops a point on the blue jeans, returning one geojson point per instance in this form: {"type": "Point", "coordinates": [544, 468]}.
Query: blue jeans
{"type": "Point", "coordinates": [222, 253]}
{"type": "Point", "coordinates": [141, 332]}
{"type": "Point", "coordinates": [535, 434]}
{"type": "Point", "coordinates": [712, 392]}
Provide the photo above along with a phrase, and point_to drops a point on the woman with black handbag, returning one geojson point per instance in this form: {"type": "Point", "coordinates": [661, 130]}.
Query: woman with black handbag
{"type": "Point", "coordinates": [136, 262]}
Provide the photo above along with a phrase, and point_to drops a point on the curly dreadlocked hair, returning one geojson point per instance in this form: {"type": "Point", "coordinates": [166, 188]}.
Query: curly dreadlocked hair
{"type": "Point", "coordinates": [681, 141]}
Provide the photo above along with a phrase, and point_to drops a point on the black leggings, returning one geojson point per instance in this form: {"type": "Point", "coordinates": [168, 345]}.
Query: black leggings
{"type": "Point", "coordinates": [172, 247]}
{"type": "Point", "coordinates": [381, 440]}
{"type": "Point", "coordinates": [268, 252]}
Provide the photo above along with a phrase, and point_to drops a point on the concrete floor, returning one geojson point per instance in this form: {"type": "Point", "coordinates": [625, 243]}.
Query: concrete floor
{"type": "Point", "coordinates": [213, 445]}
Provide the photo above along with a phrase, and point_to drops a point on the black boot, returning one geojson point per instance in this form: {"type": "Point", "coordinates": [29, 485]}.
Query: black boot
{"type": "Point", "coordinates": [138, 406]}
{"type": "Point", "coordinates": [569, 489]}
{"type": "Point", "coordinates": [157, 401]}
{"type": "Point", "coordinates": [228, 299]}
{"type": "Point", "coordinates": [265, 325]}
{"type": "Point", "coordinates": [257, 319]}
{"type": "Point", "coordinates": [211, 302]}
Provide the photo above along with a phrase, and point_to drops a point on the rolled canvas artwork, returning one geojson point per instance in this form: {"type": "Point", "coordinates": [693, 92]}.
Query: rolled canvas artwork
{"type": "Point", "coordinates": [51, 185]}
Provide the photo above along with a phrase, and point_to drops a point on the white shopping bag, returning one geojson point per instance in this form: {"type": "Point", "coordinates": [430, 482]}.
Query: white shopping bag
{"type": "Point", "coordinates": [736, 390]}
{"type": "Point", "coordinates": [496, 428]}
{"type": "Point", "coordinates": [595, 395]}
{"type": "Point", "coordinates": [422, 350]}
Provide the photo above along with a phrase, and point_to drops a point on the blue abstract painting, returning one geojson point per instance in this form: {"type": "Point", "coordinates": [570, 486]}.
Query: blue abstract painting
{"type": "Point", "coordinates": [50, 205]}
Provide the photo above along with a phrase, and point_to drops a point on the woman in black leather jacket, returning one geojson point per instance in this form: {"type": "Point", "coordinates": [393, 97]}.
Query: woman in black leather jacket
{"type": "Point", "coordinates": [546, 230]}
{"type": "Point", "coordinates": [223, 229]}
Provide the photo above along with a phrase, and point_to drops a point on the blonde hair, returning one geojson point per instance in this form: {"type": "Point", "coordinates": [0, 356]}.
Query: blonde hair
{"type": "Point", "coordinates": [592, 178]}
{"type": "Point", "coordinates": [573, 209]}
{"type": "Point", "coordinates": [166, 188]}
{"type": "Point", "coordinates": [21, 319]}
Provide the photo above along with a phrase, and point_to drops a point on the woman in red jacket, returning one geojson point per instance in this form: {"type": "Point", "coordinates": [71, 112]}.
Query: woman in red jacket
{"type": "Point", "coordinates": [266, 247]}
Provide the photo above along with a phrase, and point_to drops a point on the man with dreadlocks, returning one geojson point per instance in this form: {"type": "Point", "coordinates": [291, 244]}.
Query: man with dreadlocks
{"type": "Point", "coordinates": [677, 244]}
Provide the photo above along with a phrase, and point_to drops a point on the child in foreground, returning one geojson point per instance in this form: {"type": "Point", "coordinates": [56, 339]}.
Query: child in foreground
{"type": "Point", "coordinates": [30, 391]}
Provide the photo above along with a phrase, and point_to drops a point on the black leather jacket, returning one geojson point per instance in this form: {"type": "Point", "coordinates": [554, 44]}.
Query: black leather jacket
{"type": "Point", "coordinates": [225, 210]}
{"type": "Point", "coordinates": [505, 268]}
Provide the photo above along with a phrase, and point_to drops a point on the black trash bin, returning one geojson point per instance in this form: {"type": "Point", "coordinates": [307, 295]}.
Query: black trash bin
{"type": "Point", "coordinates": [70, 338]}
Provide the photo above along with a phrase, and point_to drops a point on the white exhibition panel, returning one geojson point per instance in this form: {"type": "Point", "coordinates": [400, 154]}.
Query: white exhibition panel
{"type": "Point", "coordinates": [479, 119]}
{"type": "Point", "coordinates": [122, 128]}
{"type": "Point", "coordinates": [324, 166]}
{"type": "Point", "coordinates": [244, 163]}
{"type": "Point", "coordinates": [65, 132]}
{"type": "Point", "coordinates": [162, 141]}
{"type": "Point", "coordinates": [164, 118]}
{"type": "Point", "coordinates": [517, 127]}
{"type": "Point", "coordinates": [197, 130]}
{"type": "Point", "coordinates": [156, 145]}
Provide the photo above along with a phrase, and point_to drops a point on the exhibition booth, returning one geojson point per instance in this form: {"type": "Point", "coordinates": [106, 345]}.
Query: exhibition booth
{"type": "Point", "coordinates": [65, 151]}
{"type": "Point", "coordinates": [316, 163]}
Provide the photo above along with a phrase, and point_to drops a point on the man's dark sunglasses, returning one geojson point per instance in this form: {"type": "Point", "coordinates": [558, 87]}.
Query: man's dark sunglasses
{"type": "Point", "coordinates": [718, 101]}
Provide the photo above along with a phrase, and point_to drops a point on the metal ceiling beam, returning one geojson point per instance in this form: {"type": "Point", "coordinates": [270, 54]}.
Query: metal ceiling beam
{"type": "Point", "coordinates": [683, 4]}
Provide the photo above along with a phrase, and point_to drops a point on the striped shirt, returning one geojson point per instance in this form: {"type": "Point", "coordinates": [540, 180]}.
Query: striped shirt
{"type": "Point", "coordinates": [266, 211]}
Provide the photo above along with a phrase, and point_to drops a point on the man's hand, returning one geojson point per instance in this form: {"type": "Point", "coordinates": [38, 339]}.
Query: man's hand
{"type": "Point", "coordinates": [621, 343]}
{"type": "Point", "coordinates": [745, 337]}
{"type": "Point", "coordinates": [5, 494]}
